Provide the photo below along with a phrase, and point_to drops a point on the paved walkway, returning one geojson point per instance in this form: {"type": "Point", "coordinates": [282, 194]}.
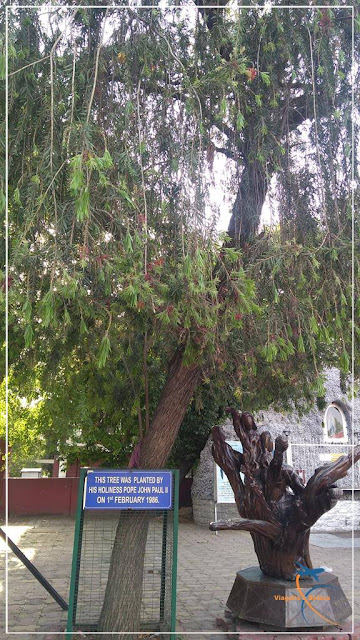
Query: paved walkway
{"type": "Point", "coordinates": [207, 564]}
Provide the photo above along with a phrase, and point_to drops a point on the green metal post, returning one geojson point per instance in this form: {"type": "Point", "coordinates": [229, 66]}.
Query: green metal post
{"type": "Point", "coordinates": [76, 554]}
{"type": "Point", "coordinates": [163, 566]}
{"type": "Point", "coordinates": [175, 551]}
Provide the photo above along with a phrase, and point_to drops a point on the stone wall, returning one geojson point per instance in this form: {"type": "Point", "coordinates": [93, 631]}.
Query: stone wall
{"type": "Point", "coordinates": [306, 430]}
{"type": "Point", "coordinates": [338, 519]}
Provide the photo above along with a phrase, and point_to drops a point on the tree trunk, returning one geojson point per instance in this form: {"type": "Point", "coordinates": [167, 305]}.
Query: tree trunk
{"type": "Point", "coordinates": [245, 218]}
{"type": "Point", "coordinates": [170, 411]}
{"type": "Point", "coordinates": [121, 609]}
{"type": "Point", "coordinates": [249, 202]}
{"type": "Point", "coordinates": [122, 600]}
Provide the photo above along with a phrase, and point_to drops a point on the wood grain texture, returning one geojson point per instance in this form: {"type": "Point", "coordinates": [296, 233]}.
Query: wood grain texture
{"type": "Point", "coordinates": [275, 506]}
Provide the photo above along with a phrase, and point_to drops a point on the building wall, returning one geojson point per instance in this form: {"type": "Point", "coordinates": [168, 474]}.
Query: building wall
{"type": "Point", "coordinates": [307, 430]}
{"type": "Point", "coordinates": [37, 496]}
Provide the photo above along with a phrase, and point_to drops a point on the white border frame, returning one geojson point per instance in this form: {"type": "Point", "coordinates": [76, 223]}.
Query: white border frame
{"type": "Point", "coordinates": [353, 186]}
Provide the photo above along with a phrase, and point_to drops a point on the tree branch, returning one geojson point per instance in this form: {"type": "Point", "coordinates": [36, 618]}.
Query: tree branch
{"type": "Point", "coordinates": [96, 67]}
{"type": "Point", "coordinates": [226, 152]}
{"type": "Point", "coordinates": [230, 461]}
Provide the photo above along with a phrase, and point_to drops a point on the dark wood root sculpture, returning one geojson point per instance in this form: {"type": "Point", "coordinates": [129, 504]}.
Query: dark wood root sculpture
{"type": "Point", "coordinates": [273, 503]}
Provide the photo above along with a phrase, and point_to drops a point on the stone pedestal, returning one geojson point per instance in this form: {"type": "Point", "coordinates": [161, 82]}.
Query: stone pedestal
{"type": "Point", "coordinates": [278, 603]}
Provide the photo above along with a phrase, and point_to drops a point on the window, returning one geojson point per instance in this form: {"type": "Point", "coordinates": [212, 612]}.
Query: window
{"type": "Point", "coordinates": [335, 424]}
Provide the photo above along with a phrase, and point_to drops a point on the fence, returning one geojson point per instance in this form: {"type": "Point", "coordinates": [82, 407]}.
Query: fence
{"type": "Point", "coordinates": [95, 534]}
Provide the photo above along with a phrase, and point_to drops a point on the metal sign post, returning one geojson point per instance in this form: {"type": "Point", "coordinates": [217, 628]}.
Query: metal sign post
{"type": "Point", "coordinates": [106, 500]}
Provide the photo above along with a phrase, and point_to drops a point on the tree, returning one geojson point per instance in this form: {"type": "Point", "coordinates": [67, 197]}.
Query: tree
{"type": "Point", "coordinates": [113, 264]}
{"type": "Point", "coordinates": [27, 442]}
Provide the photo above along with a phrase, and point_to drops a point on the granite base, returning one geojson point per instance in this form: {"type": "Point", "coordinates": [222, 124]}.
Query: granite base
{"type": "Point", "coordinates": [278, 603]}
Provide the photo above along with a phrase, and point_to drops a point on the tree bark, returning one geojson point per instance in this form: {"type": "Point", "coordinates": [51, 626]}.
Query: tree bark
{"type": "Point", "coordinates": [122, 601]}
{"type": "Point", "coordinates": [121, 609]}
{"type": "Point", "coordinates": [249, 202]}
{"type": "Point", "coordinates": [267, 529]}
{"type": "Point", "coordinates": [176, 395]}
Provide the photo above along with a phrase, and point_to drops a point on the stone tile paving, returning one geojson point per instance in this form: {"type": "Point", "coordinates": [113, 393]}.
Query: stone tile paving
{"type": "Point", "coordinates": [207, 567]}
{"type": "Point", "coordinates": [47, 542]}
{"type": "Point", "coordinates": [332, 541]}
{"type": "Point", "coordinates": [207, 564]}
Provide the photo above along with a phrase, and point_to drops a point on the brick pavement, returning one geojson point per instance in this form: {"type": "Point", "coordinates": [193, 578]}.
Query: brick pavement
{"type": "Point", "coordinates": [207, 564]}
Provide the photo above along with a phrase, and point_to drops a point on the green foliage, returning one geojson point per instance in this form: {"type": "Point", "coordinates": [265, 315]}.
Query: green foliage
{"type": "Point", "coordinates": [83, 205]}
{"type": "Point", "coordinates": [26, 439]}
{"type": "Point", "coordinates": [240, 121]}
{"type": "Point", "coordinates": [114, 264]}
{"type": "Point", "coordinates": [105, 349]}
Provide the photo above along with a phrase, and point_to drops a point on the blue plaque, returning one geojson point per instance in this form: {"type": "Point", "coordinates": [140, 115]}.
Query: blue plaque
{"type": "Point", "coordinates": [128, 489]}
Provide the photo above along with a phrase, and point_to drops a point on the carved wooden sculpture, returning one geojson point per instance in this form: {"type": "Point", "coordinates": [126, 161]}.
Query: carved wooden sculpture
{"type": "Point", "coordinates": [278, 519]}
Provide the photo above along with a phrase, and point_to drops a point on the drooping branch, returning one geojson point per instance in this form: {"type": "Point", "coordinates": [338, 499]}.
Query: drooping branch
{"type": "Point", "coordinates": [213, 17]}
